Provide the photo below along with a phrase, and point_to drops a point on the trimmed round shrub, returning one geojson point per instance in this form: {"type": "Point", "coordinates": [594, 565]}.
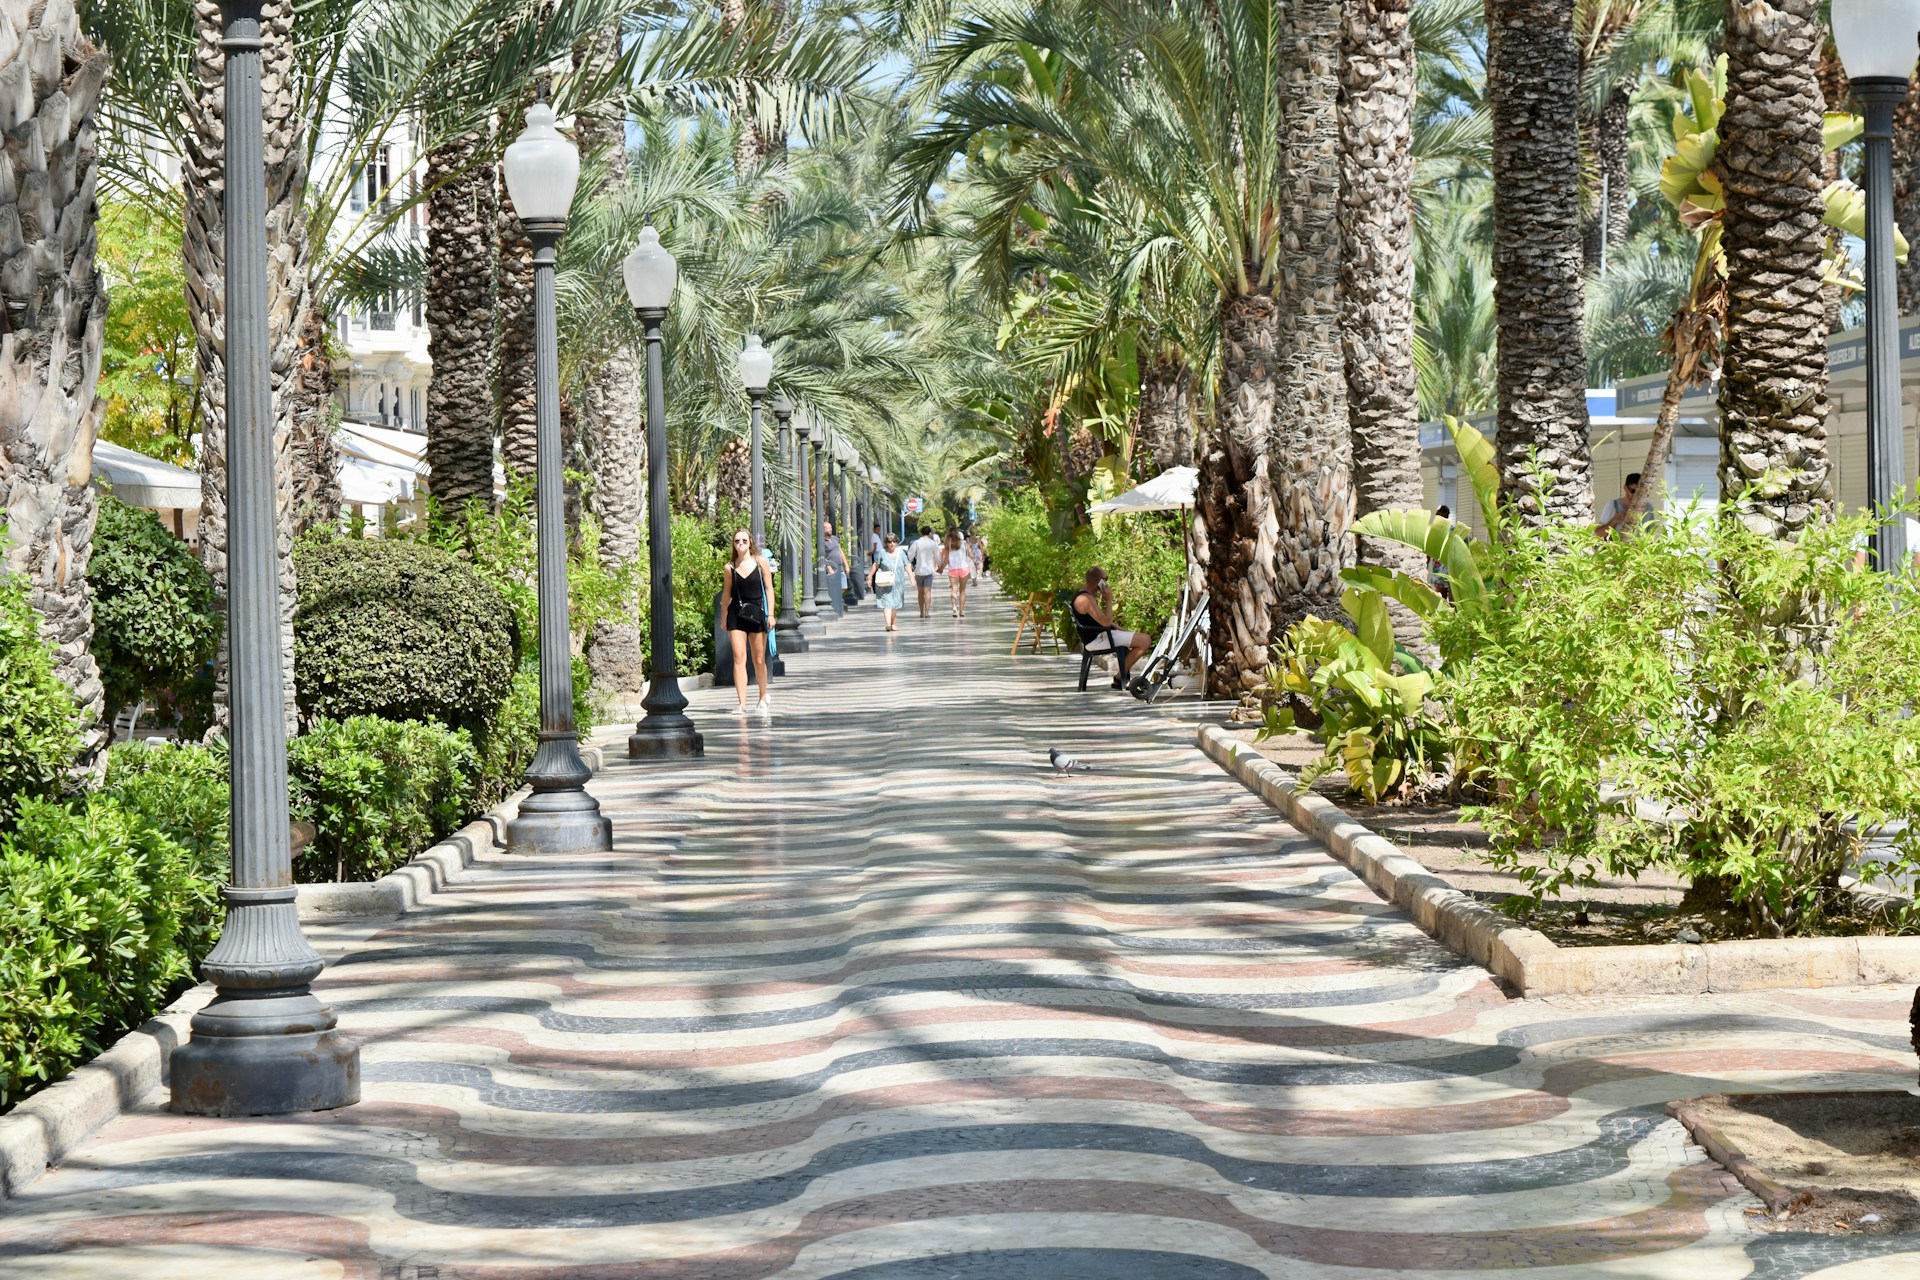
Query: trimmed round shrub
{"type": "Point", "coordinates": [154, 621]}
{"type": "Point", "coordinates": [39, 725]}
{"type": "Point", "coordinates": [399, 629]}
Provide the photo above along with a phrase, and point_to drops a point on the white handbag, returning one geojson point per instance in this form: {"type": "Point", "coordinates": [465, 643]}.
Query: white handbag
{"type": "Point", "coordinates": [883, 579]}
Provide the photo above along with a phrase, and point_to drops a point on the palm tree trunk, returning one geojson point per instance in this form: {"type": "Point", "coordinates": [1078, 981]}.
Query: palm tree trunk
{"type": "Point", "coordinates": [289, 298]}
{"type": "Point", "coordinates": [1608, 142]}
{"type": "Point", "coordinates": [1533, 78]}
{"type": "Point", "coordinates": [1906, 197]}
{"type": "Point", "coordinates": [1376, 314]}
{"type": "Point", "coordinates": [513, 352]}
{"type": "Point", "coordinates": [1773, 384]}
{"type": "Point", "coordinates": [1164, 436]}
{"type": "Point", "coordinates": [1310, 453]}
{"type": "Point", "coordinates": [316, 469]}
{"type": "Point", "coordinates": [1236, 518]}
{"type": "Point", "coordinates": [607, 413]}
{"type": "Point", "coordinates": [459, 306]}
{"type": "Point", "coordinates": [1653, 472]}
{"type": "Point", "coordinates": [50, 345]}
{"type": "Point", "coordinates": [754, 146]}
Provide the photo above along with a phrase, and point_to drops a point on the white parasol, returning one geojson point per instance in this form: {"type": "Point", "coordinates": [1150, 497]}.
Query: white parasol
{"type": "Point", "coordinates": [1171, 490]}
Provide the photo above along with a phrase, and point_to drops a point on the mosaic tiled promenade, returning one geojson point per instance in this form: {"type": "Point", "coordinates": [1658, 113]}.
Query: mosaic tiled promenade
{"type": "Point", "coordinates": [872, 995]}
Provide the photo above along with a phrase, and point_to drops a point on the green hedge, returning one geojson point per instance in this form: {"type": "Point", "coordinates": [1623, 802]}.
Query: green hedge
{"type": "Point", "coordinates": [39, 726]}
{"type": "Point", "coordinates": [1141, 554]}
{"type": "Point", "coordinates": [154, 621]}
{"type": "Point", "coordinates": [378, 792]}
{"type": "Point", "coordinates": [101, 915]}
{"type": "Point", "coordinates": [399, 629]}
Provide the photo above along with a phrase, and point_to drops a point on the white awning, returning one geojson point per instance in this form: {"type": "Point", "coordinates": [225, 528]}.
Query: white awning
{"type": "Point", "coordinates": [1171, 490]}
{"type": "Point", "coordinates": [140, 481]}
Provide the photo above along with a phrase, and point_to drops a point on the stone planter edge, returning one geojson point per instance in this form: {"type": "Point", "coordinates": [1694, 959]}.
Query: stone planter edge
{"type": "Point", "coordinates": [1528, 960]}
{"type": "Point", "coordinates": [46, 1128]}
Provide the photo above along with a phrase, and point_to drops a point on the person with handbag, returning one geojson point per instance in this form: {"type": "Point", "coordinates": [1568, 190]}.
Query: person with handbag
{"type": "Point", "coordinates": [887, 579]}
{"type": "Point", "coordinates": [743, 603]}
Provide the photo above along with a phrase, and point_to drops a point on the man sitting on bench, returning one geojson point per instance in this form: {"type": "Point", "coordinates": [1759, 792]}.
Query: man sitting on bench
{"type": "Point", "coordinates": [1094, 603]}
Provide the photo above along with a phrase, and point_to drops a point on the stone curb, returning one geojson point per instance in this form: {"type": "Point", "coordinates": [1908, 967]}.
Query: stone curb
{"type": "Point", "coordinates": [50, 1125]}
{"type": "Point", "coordinates": [1530, 961]}
{"type": "Point", "coordinates": [1717, 1145]}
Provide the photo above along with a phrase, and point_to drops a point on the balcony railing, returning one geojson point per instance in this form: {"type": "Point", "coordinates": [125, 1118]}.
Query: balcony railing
{"type": "Point", "coordinates": [380, 321]}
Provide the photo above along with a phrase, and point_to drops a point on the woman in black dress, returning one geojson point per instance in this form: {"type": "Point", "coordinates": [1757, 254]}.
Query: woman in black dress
{"type": "Point", "coordinates": [743, 602]}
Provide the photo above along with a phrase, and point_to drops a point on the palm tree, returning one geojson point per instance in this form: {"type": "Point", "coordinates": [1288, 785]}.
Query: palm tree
{"type": "Point", "coordinates": [50, 354]}
{"type": "Point", "coordinates": [1773, 385]}
{"type": "Point", "coordinates": [1533, 74]}
{"type": "Point", "coordinates": [1378, 96]}
{"type": "Point", "coordinates": [1183, 107]}
{"type": "Point", "coordinates": [458, 294]}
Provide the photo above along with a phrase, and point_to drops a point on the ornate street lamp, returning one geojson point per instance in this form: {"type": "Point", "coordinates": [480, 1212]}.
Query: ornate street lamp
{"type": "Point", "coordinates": [264, 1045]}
{"type": "Point", "coordinates": [665, 733]}
{"type": "Point", "coordinates": [756, 371]}
{"type": "Point", "coordinates": [1877, 41]}
{"type": "Point", "coordinates": [542, 169]}
{"type": "Point", "coordinates": [787, 626]}
{"type": "Point", "coordinates": [805, 466]}
{"type": "Point", "coordinates": [822, 593]}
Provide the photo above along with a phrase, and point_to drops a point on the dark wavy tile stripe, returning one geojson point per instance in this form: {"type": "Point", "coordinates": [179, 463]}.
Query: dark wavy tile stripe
{"type": "Point", "coordinates": [1055, 1264]}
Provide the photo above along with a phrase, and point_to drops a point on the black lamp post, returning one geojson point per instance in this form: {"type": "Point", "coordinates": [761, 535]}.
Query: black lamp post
{"type": "Point", "coordinates": [264, 1045]}
{"type": "Point", "coordinates": [806, 466]}
{"type": "Point", "coordinates": [665, 733]}
{"type": "Point", "coordinates": [756, 372]}
{"type": "Point", "coordinates": [1876, 41]}
{"type": "Point", "coordinates": [542, 170]}
{"type": "Point", "coordinates": [822, 593]}
{"type": "Point", "coordinates": [787, 626]}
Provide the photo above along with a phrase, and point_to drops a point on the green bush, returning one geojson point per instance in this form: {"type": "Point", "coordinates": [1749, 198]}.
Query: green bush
{"type": "Point", "coordinates": [1754, 696]}
{"type": "Point", "coordinates": [506, 748]}
{"type": "Point", "coordinates": [1141, 554]}
{"type": "Point", "coordinates": [700, 551]}
{"type": "Point", "coordinates": [378, 792]}
{"type": "Point", "coordinates": [399, 629]}
{"type": "Point", "coordinates": [154, 621]}
{"type": "Point", "coordinates": [1027, 558]}
{"type": "Point", "coordinates": [39, 725]}
{"type": "Point", "coordinates": [93, 903]}
{"type": "Point", "coordinates": [182, 790]}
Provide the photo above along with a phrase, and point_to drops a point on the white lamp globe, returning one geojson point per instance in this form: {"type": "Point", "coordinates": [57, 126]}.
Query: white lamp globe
{"type": "Point", "coordinates": [542, 168]}
{"type": "Point", "coordinates": [650, 273]}
{"type": "Point", "coordinates": [781, 404]}
{"type": "Point", "coordinates": [1877, 39]}
{"type": "Point", "coordinates": [756, 364]}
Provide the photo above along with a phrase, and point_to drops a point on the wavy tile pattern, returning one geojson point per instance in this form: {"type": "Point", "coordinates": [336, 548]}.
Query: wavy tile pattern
{"type": "Point", "coordinates": [871, 995]}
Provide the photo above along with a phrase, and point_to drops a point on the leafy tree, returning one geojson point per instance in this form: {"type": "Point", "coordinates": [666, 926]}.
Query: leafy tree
{"type": "Point", "coordinates": [147, 371]}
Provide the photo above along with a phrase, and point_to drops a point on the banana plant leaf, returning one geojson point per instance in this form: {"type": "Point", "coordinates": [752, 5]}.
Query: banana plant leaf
{"type": "Point", "coordinates": [1422, 599]}
{"type": "Point", "coordinates": [1434, 537]}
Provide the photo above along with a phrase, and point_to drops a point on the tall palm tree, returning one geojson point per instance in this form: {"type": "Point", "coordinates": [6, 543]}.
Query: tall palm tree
{"type": "Point", "coordinates": [1377, 101]}
{"type": "Point", "coordinates": [608, 406]}
{"type": "Point", "coordinates": [1773, 384]}
{"type": "Point", "coordinates": [1311, 450]}
{"type": "Point", "coordinates": [50, 350]}
{"type": "Point", "coordinates": [459, 311]}
{"type": "Point", "coordinates": [1533, 77]}
{"type": "Point", "coordinates": [1181, 106]}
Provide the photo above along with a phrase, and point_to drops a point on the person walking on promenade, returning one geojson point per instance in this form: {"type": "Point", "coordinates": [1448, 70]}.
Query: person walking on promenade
{"type": "Point", "coordinates": [925, 557]}
{"type": "Point", "coordinates": [957, 564]}
{"type": "Point", "coordinates": [887, 579]}
{"type": "Point", "coordinates": [836, 562]}
{"type": "Point", "coordinates": [977, 548]}
{"type": "Point", "coordinates": [743, 603]}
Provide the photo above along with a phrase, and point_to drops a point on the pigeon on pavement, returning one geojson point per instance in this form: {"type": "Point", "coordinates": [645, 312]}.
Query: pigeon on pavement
{"type": "Point", "coordinates": [1064, 763]}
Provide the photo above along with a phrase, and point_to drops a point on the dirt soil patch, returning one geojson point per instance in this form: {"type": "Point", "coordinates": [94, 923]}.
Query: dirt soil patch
{"type": "Point", "coordinates": [1835, 1162]}
{"type": "Point", "coordinates": [1617, 912]}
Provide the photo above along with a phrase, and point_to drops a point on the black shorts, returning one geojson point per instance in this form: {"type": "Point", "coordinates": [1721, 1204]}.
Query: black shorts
{"type": "Point", "coordinates": [736, 623]}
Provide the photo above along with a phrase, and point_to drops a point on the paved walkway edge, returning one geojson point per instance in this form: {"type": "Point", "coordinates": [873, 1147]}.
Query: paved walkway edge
{"type": "Point", "coordinates": [44, 1129]}
{"type": "Point", "coordinates": [1527, 959]}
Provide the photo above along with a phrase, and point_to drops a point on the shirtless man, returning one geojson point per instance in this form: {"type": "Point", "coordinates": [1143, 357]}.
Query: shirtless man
{"type": "Point", "coordinates": [1095, 600]}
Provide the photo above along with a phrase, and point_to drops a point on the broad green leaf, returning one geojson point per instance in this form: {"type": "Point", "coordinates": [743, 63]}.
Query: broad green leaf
{"type": "Point", "coordinates": [1368, 609]}
{"type": "Point", "coordinates": [1483, 472]}
{"type": "Point", "coordinates": [1391, 583]}
{"type": "Point", "coordinates": [1433, 537]}
{"type": "Point", "coordinates": [1847, 211]}
{"type": "Point", "coordinates": [1838, 128]}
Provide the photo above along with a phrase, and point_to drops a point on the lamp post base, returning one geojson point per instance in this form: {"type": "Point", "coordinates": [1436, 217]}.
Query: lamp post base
{"type": "Point", "coordinates": [560, 822]}
{"type": "Point", "coordinates": [790, 638]}
{"type": "Point", "coordinates": [665, 737]}
{"type": "Point", "coordinates": [230, 1068]}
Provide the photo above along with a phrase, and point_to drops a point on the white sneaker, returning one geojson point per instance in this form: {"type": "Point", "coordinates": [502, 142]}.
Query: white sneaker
{"type": "Point", "coordinates": [740, 710]}
{"type": "Point", "coordinates": [766, 709]}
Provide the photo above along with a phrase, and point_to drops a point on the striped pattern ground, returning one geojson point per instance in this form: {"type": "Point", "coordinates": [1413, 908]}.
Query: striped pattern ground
{"type": "Point", "coordinates": [871, 994]}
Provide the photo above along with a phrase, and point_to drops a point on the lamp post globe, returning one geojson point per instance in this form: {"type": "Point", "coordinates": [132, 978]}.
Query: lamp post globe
{"type": "Point", "coordinates": [542, 169]}
{"type": "Point", "coordinates": [1877, 41]}
{"type": "Point", "coordinates": [665, 732]}
{"type": "Point", "coordinates": [786, 627]}
{"type": "Point", "coordinates": [756, 373]}
{"type": "Point", "coordinates": [264, 1045]}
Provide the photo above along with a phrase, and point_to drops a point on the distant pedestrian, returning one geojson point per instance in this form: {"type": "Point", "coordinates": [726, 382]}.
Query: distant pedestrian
{"type": "Point", "coordinates": [1436, 570]}
{"type": "Point", "coordinates": [887, 579]}
{"type": "Point", "coordinates": [978, 551]}
{"type": "Point", "coordinates": [957, 564]}
{"type": "Point", "coordinates": [875, 542]}
{"type": "Point", "coordinates": [1619, 518]}
{"type": "Point", "coordinates": [925, 557]}
{"type": "Point", "coordinates": [836, 562]}
{"type": "Point", "coordinates": [743, 604]}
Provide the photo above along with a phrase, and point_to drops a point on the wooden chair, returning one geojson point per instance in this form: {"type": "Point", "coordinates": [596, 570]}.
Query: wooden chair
{"type": "Point", "coordinates": [1036, 612]}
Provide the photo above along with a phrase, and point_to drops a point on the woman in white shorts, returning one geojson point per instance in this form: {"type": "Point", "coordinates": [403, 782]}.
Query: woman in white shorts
{"type": "Point", "coordinates": [958, 566]}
